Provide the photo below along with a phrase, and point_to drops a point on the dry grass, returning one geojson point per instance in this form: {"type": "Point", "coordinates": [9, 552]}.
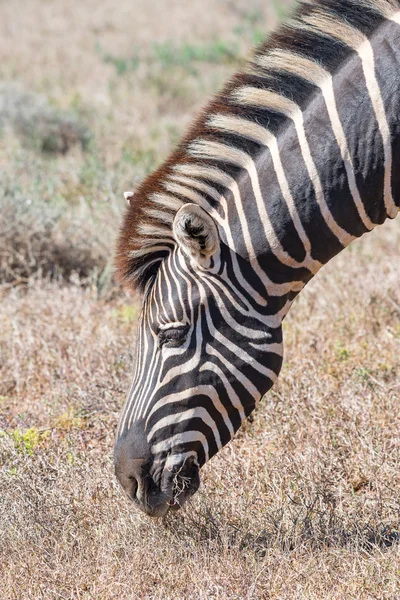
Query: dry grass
{"type": "Point", "coordinates": [305, 502]}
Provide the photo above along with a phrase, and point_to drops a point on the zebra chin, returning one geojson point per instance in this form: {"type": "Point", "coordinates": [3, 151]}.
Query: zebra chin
{"type": "Point", "coordinates": [154, 486]}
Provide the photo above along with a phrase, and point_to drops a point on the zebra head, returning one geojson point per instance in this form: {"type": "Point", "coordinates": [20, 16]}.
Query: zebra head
{"type": "Point", "coordinates": [238, 219]}
{"type": "Point", "coordinates": [204, 358]}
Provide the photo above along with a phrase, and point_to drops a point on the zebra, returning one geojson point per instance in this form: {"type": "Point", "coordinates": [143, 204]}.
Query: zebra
{"type": "Point", "coordinates": [294, 159]}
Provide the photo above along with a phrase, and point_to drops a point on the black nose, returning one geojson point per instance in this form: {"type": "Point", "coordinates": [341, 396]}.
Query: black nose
{"type": "Point", "coordinates": [133, 468]}
{"type": "Point", "coordinates": [130, 457]}
{"type": "Point", "coordinates": [155, 486]}
{"type": "Point", "coordinates": [129, 484]}
{"type": "Point", "coordinates": [129, 469]}
{"type": "Point", "coordinates": [132, 444]}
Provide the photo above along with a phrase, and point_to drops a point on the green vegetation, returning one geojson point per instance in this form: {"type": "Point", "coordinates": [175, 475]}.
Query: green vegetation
{"type": "Point", "coordinates": [169, 54]}
{"type": "Point", "coordinates": [127, 313]}
{"type": "Point", "coordinates": [250, 26]}
{"type": "Point", "coordinates": [28, 440]}
{"type": "Point", "coordinates": [219, 51]}
{"type": "Point", "coordinates": [342, 352]}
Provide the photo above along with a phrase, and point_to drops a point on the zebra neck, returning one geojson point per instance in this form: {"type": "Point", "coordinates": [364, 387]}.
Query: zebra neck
{"type": "Point", "coordinates": [330, 174]}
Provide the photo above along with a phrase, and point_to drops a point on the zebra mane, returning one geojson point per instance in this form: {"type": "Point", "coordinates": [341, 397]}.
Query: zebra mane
{"type": "Point", "coordinates": [273, 83]}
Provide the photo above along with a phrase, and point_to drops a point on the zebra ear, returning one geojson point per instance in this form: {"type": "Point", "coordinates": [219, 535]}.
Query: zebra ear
{"type": "Point", "coordinates": [196, 233]}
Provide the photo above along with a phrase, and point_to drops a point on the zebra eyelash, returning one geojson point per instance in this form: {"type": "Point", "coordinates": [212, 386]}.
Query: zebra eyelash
{"type": "Point", "coordinates": [173, 325]}
{"type": "Point", "coordinates": [173, 335]}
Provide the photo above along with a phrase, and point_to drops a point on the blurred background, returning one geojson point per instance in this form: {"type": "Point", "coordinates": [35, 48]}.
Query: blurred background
{"type": "Point", "coordinates": [92, 97]}
{"type": "Point", "coordinates": [304, 502]}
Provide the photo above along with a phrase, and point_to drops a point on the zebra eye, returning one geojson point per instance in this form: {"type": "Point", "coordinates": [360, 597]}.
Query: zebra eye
{"type": "Point", "coordinates": [173, 337]}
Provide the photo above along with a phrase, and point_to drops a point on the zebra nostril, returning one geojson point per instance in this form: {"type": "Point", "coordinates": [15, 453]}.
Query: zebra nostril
{"type": "Point", "coordinates": [133, 485]}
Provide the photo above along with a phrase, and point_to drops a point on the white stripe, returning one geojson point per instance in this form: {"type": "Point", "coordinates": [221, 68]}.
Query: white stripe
{"type": "Point", "coordinates": [204, 390]}
{"type": "Point", "coordinates": [232, 395]}
{"type": "Point", "coordinates": [169, 288]}
{"type": "Point", "coordinates": [232, 347]}
{"type": "Point", "coordinates": [203, 187]}
{"type": "Point", "coordinates": [192, 196]}
{"type": "Point", "coordinates": [351, 37]}
{"type": "Point", "coordinates": [248, 311]}
{"type": "Point", "coordinates": [261, 135]}
{"type": "Point", "coordinates": [311, 71]}
{"type": "Point", "coordinates": [396, 18]}
{"type": "Point", "coordinates": [270, 100]}
{"type": "Point", "coordinates": [183, 438]}
{"type": "Point", "coordinates": [238, 375]}
{"type": "Point", "coordinates": [274, 348]}
{"type": "Point", "coordinates": [194, 413]}
{"type": "Point", "coordinates": [368, 62]}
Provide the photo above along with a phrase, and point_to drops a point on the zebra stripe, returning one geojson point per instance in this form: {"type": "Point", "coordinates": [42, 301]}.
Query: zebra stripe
{"type": "Point", "coordinates": [363, 47]}
{"type": "Point", "coordinates": [282, 60]}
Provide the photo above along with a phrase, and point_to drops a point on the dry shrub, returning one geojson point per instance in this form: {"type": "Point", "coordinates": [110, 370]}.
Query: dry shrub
{"type": "Point", "coordinates": [37, 238]}
{"type": "Point", "coordinates": [38, 124]}
{"type": "Point", "coordinates": [41, 235]}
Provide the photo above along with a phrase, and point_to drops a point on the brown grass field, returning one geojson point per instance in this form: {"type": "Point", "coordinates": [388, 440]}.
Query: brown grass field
{"type": "Point", "coordinates": [305, 502]}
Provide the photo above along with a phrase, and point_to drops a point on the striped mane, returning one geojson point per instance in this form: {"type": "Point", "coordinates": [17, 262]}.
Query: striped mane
{"type": "Point", "coordinates": [262, 93]}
